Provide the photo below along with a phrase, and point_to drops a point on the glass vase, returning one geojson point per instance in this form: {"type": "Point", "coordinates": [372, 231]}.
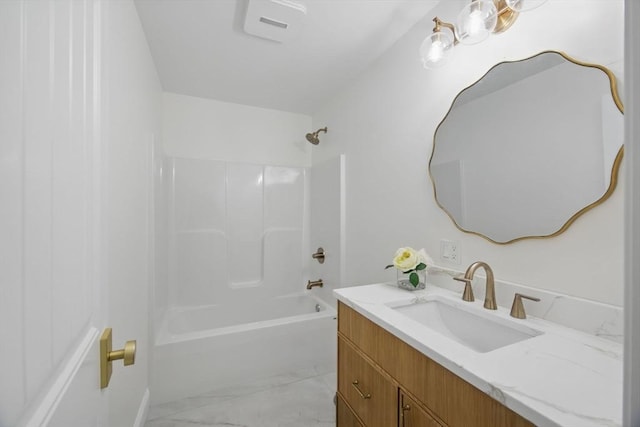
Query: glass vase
{"type": "Point", "coordinates": [404, 280]}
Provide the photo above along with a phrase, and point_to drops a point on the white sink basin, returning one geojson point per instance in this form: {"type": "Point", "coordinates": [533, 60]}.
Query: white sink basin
{"type": "Point", "coordinates": [481, 332]}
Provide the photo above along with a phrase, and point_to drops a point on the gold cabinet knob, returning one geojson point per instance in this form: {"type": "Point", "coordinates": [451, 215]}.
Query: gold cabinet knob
{"type": "Point", "coordinates": [107, 356]}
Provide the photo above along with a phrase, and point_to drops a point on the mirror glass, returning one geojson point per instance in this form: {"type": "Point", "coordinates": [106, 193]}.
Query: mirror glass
{"type": "Point", "coordinates": [528, 148]}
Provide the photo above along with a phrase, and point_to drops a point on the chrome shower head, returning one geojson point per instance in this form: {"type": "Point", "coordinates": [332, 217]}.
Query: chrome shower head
{"type": "Point", "coordinates": [313, 137]}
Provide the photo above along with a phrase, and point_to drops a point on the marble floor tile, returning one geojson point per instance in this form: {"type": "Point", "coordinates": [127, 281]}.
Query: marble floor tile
{"type": "Point", "coordinates": [302, 402]}
{"type": "Point", "coordinates": [238, 390]}
{"type": "Point", "coordinates": [331, 380]}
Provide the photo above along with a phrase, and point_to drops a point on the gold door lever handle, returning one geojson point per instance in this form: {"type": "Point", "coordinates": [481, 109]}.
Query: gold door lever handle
{"type": "Point", "coordinates": [107, 356]}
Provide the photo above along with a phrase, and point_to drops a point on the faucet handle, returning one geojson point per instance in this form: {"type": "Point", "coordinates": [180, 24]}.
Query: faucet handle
{"type": "Point", "coordinates": [517, 308]}
{"type": "Point", "coordinates": [467, 295]}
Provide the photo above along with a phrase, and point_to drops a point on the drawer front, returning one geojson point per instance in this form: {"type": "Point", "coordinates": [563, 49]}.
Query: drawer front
{"type": "Point", "coordinates": [373, 398]}
{"type": "Point", "coordinates": [412, 415]}
{"type": "Point", "coordinates": [344, 416]}
{"type": "Point", "coordinates": [418, 374]}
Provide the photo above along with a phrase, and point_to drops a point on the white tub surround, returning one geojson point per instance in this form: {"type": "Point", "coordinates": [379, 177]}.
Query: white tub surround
{"type": "Point", "coordinates": [186, 323]}
{"type": "Point", "coordinates": [562, 377]}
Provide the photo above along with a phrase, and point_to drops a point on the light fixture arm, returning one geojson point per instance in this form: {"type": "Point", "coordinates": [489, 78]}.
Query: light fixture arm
{"type": "Point", "coordinates": [439, 24]}
{"type": "Point", "coordinates": [475, 22]}
{"type": "Point", "coordinates": [506, 16]}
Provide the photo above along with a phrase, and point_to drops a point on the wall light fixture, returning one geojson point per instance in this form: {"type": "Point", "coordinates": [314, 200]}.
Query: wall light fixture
{"type": "Point", "coordinates": [475, 22]}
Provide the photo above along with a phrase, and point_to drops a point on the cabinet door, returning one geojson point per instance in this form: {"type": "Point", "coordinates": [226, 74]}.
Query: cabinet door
{"type": "Point", "coordinates": [412, 415]}
{"type": "Point", "coordinates": [371, 395]}
{"type": "Point", "coordinates": [344, 416]}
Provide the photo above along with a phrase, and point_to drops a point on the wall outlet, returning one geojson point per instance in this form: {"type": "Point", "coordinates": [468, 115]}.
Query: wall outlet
{"type": "Point", "coordinates": [450, 251]}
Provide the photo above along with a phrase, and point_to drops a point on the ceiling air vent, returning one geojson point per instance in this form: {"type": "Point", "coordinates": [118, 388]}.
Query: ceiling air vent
{"type": "Point", "coordinates": [277, 20]}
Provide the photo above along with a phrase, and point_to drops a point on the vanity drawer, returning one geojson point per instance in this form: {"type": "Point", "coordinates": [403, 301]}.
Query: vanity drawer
{"type": "Point", "coordinates": [418, 374]}
{"type": "Point", "coordinates": [412, 415]}
{"type": "Point", "coordinates": [344, 416]}
{"type": "Point", "coordinates": [372, 396]}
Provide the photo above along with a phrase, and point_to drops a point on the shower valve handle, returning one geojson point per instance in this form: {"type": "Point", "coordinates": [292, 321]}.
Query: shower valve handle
{"type": "Point", "coordinates": [319, 255]}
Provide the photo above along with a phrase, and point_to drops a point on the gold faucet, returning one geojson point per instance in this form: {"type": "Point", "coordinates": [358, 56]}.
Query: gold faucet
{"type": "Point", "coordinates": [490, 291]}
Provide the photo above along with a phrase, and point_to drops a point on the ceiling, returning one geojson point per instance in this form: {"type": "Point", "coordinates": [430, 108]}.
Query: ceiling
{"type": "Point", "coordinates": [200, 48]}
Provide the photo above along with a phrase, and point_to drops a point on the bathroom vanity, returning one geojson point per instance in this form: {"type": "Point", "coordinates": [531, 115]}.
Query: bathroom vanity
{"type": "Point", "coordinates": [396, 384]}
{"type": "Point", "coordinates": [395, 370]}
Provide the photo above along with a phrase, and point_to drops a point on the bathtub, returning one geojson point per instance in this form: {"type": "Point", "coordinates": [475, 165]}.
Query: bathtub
{"type": "Point", "coordinates": [212, 348]}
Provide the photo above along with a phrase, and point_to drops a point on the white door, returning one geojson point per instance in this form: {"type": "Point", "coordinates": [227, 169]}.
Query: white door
{"type": "Point", "coordinates": [52, 297]}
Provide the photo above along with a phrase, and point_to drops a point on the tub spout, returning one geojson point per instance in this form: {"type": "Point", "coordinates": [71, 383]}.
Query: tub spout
{"type": "Point", "coordinates": [314, 283]}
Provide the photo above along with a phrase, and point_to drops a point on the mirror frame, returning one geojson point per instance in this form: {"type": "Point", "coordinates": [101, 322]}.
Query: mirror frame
{"type": "Point", "coordinates": [614, 169]}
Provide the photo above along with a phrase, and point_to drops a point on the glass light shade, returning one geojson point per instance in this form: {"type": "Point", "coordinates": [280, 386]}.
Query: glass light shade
{"type": "Point", "coordinates": [435, 49]}
{"type": "Point", "coordinates": [523, 5]}
{"type": "Point", "coordinates": [476, 21]}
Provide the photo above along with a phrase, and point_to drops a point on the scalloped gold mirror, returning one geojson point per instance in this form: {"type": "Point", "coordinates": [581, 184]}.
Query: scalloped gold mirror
{"type": "Point", "coordinates": [528, 148]}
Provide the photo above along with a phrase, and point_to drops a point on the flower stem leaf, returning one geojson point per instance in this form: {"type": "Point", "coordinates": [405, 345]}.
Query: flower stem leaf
{"type": "Point", "coordinates": [413, 278]}
{"type": "Point", "coordinates": [389, 266]}
{"type": "Point", "coordinates": [421, 266]}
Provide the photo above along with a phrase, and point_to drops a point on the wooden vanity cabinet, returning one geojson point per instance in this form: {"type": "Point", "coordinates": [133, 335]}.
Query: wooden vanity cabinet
{"type": "Point", "coordinates": [391, 374]}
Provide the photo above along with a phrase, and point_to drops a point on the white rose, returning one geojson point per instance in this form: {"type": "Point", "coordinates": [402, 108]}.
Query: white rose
{"type": "Point", "coordinates": [406, 259]}
{"type": "Point", "coordinates": [424, 257]}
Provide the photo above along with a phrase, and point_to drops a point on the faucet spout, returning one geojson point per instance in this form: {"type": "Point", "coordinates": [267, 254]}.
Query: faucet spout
{"type": "Point", "coordinates": [313, 283]}
{"type": "Point", "coordinates": [490, 292]}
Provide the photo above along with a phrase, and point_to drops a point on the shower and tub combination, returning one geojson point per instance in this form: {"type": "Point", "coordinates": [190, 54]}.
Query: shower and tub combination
{"type": "Point", "coordinates": [232, 264]}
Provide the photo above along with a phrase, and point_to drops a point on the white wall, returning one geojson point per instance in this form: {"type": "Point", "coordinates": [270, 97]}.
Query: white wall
{"type": "Point", "coordinates": [384, 123]}
{"type": "Point", "coordinates": [132, 124]}
{"type": "Point", "coordinates": [208, 129]}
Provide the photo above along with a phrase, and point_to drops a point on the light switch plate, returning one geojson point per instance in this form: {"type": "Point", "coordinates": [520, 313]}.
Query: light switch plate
{"type": "Point", "coordinates": [450, 251]}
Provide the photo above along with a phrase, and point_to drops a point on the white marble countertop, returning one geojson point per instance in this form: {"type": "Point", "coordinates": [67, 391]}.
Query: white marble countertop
{"type": "Point", "coordinates": [562, 377]}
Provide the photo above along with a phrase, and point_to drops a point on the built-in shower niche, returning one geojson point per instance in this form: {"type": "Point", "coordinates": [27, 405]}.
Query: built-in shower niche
{"type": "Point", "coordinates": [235, 231]}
